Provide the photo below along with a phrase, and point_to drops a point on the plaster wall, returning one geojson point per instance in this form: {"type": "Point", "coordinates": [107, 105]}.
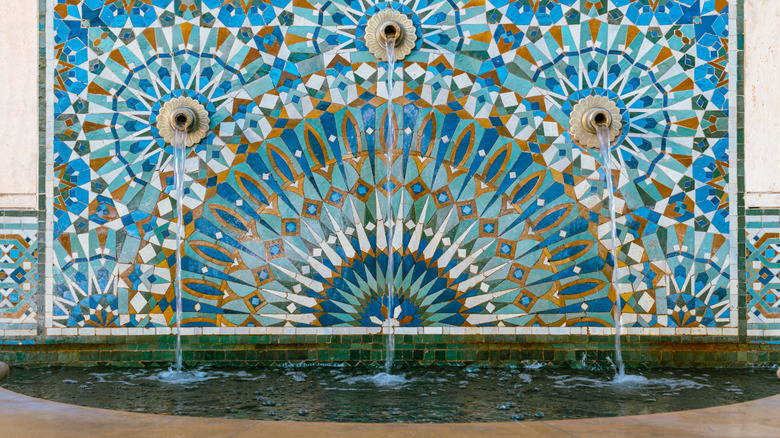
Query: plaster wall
{"type": "Point", "coordinates": [18, 103]}
{"type": "Point", "coordinates": [762, 124]}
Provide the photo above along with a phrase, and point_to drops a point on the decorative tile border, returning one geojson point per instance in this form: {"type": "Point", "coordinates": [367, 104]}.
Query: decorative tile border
{"type": "Point", "coordinates": [762, 272]}
{"type": "Point", "coordinates": [18, 273]}
{"type": "Point", "coordinates": [431, 349]}
{"type": "Point", "coordinates": [737, 89]}
{"type": "Point", "coordinates": [502, 331]}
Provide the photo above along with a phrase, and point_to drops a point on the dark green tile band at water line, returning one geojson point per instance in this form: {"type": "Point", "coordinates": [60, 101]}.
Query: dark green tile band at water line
{"type": "Point", "coordinates": [353, 350]}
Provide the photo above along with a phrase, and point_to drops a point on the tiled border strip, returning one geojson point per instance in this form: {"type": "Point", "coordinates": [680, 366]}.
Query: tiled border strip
{"type": "Point", "coordinates": [46, 237]}
{"type": "Point", "coordinates": [738, 141]}
{"type": "Point", "coordinates": [758, 334]}
{"type": "Point", "coordinates": [736, 164]}
{"type": "Point", "coordinates": [45, 124]}
{"type": "Point", "coordinates": [400, 331]}
{"type": "Point", "coordinates": [270, 350]}
{"type": "Point", "coordinates": [23, 329]}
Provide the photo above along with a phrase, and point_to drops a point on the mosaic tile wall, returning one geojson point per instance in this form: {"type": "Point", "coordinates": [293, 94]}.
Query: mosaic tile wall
{"type": "Point", "coordinates": [762, 266]}
{"type": "Point", "coordinates": [18, 275]}
{"type": "Point", "coordinates": [501, 221]}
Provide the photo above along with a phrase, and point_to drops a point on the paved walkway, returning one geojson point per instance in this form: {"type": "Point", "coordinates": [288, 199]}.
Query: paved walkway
{"type": "Point", "coordinates": [22, 416]}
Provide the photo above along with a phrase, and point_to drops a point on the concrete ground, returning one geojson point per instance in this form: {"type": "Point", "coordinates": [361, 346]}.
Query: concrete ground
{"type": "Point", "coordinates": [22, 416]}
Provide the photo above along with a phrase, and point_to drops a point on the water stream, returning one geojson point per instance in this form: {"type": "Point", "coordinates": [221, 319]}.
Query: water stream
{"type": "Point", "coordinates": [602, 131]}
{"type": "Point", "coordinates": [179, 158]}
{"type": "Point", "coordinates": [389, 141]}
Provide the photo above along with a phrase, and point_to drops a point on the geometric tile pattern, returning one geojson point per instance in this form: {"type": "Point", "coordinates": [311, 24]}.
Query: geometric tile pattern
{"type": "Point", "coordinates": [763, 271]}
{"type": "Point", "coordinates": [500, 220]}
{"type": "Point", "coordinates": [18, 273]}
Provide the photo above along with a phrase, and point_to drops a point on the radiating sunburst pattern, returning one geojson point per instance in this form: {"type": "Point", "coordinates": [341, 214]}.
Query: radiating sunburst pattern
{"type": "Point", "coordinates": [465, 252]}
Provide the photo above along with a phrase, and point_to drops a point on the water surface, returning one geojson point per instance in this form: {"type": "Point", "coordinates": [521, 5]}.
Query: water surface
{"type": "Point", "coordinates": [451, 394]}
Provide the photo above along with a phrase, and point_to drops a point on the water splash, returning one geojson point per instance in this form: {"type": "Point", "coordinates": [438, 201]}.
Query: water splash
{"type": "Point", "coordinates": [381, 379]}
{"type": "Point", "coordinates": [630, 380]}
{"type": "Point", "coordinates": [389, 141]}
{"type": "Point", "coordinates": [178, 377]}
{"type": "Point", "coordinates": [602, 132]}
{"type": "Point", "coordinates": [534, 365]}
{"type": "Point", "coordinates": [583, 364]}
{"type": "Point", "coordinates": [179, 158]}
{"type": "Point", "coordinates": [626, 381]}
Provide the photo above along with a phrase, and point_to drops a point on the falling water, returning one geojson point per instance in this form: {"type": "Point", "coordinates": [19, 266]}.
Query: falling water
{"type": "Point", "coordinates": [179, 157]}
{"type": "Point", "coordinates": [389, 141]}
{"type": "Point", "coordinates": [602, 131]}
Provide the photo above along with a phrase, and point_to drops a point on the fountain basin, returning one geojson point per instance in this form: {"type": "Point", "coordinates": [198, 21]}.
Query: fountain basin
{"type": "Point", "coordinates": [439, 394]}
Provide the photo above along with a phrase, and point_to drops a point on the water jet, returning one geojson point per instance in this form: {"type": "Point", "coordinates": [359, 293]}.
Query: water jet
{"type": "Point", "coordinates": [182, 122]}
{"type": "Point", "coordinates": [596, 122]}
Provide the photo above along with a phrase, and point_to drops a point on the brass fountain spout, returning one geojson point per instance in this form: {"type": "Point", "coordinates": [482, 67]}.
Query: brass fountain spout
{"type": "Point", "coordinates": [590, 113]}
{"type": "Point", "coordinates": [392, 26]}
{"type": "Point", "coordinates": [186, 115]}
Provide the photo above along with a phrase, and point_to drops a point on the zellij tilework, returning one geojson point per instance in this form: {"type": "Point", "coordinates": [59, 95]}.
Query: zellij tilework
{"type": "Point", "coordinates": [498, 219]}
{"type": "Point", "coordinates": [18, 275]}
{"type": "Point", "coordinates": [762, 269]}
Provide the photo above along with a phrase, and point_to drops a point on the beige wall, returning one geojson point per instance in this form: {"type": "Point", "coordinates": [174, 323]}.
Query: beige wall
{"type": "Point", "coordinates": [762, 100]}
{"type": "Point", "coordinates": [18, 103]}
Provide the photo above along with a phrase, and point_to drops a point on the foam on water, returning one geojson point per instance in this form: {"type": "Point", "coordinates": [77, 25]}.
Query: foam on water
{"type": "Point", "coordinates": [578, 382]}
{"type": "Point", "coordinates": [338, 388]}
{"type": "Point", "coordinates": [534, 365]}
{"type": "Point", "coordinates": [297, 376]}
{"type": "Point", "coordinates": [630, 380]}
{"type": "Point", "coordinates": [625, 381]}
{"type": "Point", "coordinates": [107, 377]}
{"type": "Point", "coordinates": [101, 377]}
{"type": "Point", "coordinates": [670, 383]}
{"type": "Point", "coordinates": [526, 378]}
{"type": "Point", "coordinates": [174, 377]}
{"type": "Point", "coordinates": [381, 379]}
{"type": "Point", "coordinates": [678, 383]}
